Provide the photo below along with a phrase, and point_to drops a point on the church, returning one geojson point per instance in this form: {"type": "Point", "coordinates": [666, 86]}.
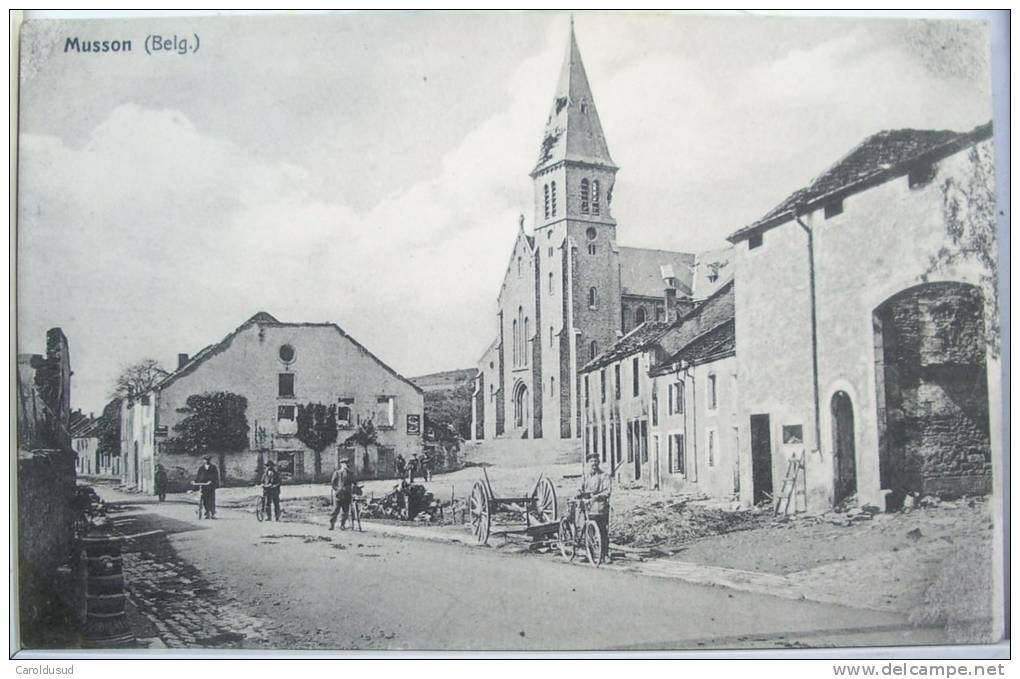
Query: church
{"type": "Point", "coordinates": [570, 291]}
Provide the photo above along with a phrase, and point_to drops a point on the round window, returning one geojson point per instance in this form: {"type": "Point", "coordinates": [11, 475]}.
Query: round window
{"type": "Point", "coordinates": [286, 353]}
{"type": "Point", "coordinates": [592, 233]}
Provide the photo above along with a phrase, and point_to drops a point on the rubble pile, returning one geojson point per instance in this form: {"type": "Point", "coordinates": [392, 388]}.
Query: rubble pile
{"type": "Point", "coordinates": [666, 523]}
{"type": "Point", "coordinates": [407, 502]}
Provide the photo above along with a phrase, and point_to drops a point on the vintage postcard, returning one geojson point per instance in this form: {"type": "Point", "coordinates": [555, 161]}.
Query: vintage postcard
{"type": "Point", "coordinates": [512, 331]}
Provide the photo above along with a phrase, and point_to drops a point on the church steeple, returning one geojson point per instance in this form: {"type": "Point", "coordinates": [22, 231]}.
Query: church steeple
{"type": "Point", "coordinates": [573, 131]}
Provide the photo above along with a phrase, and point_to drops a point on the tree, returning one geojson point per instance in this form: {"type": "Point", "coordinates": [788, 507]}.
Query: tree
{"type": "Point", "coordinates": [137, 378]}
{"type": "Point", "coordinates": [969, 211]}
{"type": "Point", "coordinates": [214, 422]}
{"type": "Point", "coordinates": [317, 429]}
{"type": "Point", "coordinates": [108, 429]}
{"type": "Point", "coordinates": [364, 435]}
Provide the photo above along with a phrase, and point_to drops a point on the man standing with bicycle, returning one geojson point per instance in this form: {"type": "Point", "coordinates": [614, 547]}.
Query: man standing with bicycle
{"type": "Point", "coordinates": [343, 491]}
{"type": "Point", "coordinates": [271, 490]}
{"type": "Point", "coordinates": [208, 479]}
{"type": "Point", "coordinates": [597, 486]}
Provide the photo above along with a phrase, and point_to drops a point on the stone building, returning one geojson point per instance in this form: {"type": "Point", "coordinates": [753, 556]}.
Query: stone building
{"type": "Point", "coordinates": [660, 404]}
{"type": "Point", "coordinates": [278, 367]}
{"type": "Point", "coordinates": [85, 443]}
{"type": "Point", "coordinates": [569, 291]}
{"type": "Point", "coordinates": [867, 334]}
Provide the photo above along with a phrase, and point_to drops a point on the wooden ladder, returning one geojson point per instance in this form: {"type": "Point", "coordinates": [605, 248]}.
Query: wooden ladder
{"type": "Point", "coordinates": [789, 487]}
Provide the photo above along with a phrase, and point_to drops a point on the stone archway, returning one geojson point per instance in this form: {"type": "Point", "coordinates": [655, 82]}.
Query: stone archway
{"type": "Point", "coordinates": [522, 417]}
{"type": "Point", "coordinates": [843, 447]}
{"type": "Point", "coordinates": [932, 392]}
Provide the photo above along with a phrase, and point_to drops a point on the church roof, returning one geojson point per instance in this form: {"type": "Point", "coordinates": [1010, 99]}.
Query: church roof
{"type": "Point", "coordinates": [877, 159]}
{"type": "Point", "coordinates": [641, 271]}
{"type": "Point", "coordinates": [573, 130]}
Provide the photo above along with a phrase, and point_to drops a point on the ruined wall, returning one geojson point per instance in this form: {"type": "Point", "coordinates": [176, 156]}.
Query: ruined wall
{"type": "Point", "coordinates": [936, 392]}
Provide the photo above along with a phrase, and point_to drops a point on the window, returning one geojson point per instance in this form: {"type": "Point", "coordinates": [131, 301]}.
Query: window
{"type": "Point", "coordinates": [518, 267]}
{"type": "Point", "coordinates": [603, 443]}
{"type": "Point", "coordinates": [630, 442]}
{"type": "Point", "coordinates": [524, 343]}
{"type": "Point", "coordinates": [552, 286]}
{"type": "Point", "coordinates": [639, 316]}
{"type": "Point", "coordinates": [676, 454]}
{"type": "Point", "coordinates": [793, 434]}
{"type": "Point", "coordinates": [643, 439]}
{"type": "Point", "coordinates": [591, 233]}
{"type": "Point", "coordinates": [834, 208]}
{"type": "Point", "coordinates": [711, 445]}
{"type": "Point", "coordinates": [655, 407]}
{"type": "Point", "coordinates": [385, 411]}
{"type": "Point", "coordinates": [552, 196]}
{"type": "Point", "coordinates": [145, 400]}
{"type": "Point", "coordinates": [593, 298]}
{"type": "Point", "coordinates": [591, 248]}
{"type": "Point", "coordinates": [755, 240]}
{"type": "Point", "coordinates": [552, 336]}
{"type": "Point", "coordinates": [516, 342]}
{"type": "Point", "coordinates": [636, 377]}
{"type": "Point", "coordinates": [595, 439]}
{"type": "Point", "coordinates": [616, 390]}
{"type": "Point", "coordinates": [286, 385]}
{"type": "Point", "coordinates": [593, 350]}
{"type": "Point", "coordinates": [285, 420]}
{"type": "Point", "coordinates": [595, 197]}
{"type": "Point", "coordinates": [584, 196]}
{"type": "Point", "coordinates": [343, 412]}
{"type": "Point", "coordinates": [676, 398]}
{"type": "Point", "coordinates": [546, 190]}
{"type": "Point", "coordinates": [919, 176]}
{"type": "Point", "coordinates": [713, 396]}
{"type": "Point", "coordinates": [552, 250]}
{"type": "Point", "coordinates": [602, 381]}
{"type": "Point", "coordinates": [287, 353]}
{"type": "Point", "coordinates": [492, 393]}
{"type": "Point", "coordinates": [552, 386]}
{"type": "Point", "coordinates": [585, 391]}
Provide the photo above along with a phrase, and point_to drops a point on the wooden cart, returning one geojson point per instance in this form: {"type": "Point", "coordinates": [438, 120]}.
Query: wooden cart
{"type": "Point", "coordinates": [539, 510]}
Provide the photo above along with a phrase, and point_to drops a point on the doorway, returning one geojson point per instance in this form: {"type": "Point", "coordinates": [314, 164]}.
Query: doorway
{"type": "Point", "coordinates": [845, 482]}
{"type": "Point", "coordinates": [761, 457]}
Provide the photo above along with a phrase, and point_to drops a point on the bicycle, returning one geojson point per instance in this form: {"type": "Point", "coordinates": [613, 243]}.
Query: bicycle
{"type": "Point", "coordinates": [200, 485]}
{"type": "Point", "coordinates": [578, 530]}
{"type": "Point", "coordinates": [263, 508]}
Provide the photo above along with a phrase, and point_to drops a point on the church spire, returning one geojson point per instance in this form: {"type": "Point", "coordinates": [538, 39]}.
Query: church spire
{"type": "Point", "coordinates": [573, 130]}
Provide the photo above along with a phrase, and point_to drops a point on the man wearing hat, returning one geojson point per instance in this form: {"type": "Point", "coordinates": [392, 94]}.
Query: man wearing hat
{"type": "Point", "coordinates": [343, 487]}
{"type": "Point", "coordinates": [597, 486]}
{"type": "Point", "coordinates": [208, 478]}
{"type": "Point", "coordinates": [271, 489]}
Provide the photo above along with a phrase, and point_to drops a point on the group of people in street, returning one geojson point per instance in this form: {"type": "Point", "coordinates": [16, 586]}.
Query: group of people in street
{"type": "Point", "coordinates": [415, 467]}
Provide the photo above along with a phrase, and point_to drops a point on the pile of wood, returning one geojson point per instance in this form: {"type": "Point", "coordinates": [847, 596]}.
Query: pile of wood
{"type": "Point", "coordinates": [407, 502]}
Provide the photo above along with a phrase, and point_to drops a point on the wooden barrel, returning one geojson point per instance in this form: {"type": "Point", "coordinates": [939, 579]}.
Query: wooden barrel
{"type": "Point", "coordinates": [105, 600]}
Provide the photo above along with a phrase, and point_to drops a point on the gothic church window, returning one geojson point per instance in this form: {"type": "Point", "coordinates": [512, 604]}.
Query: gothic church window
{"type": "Point", "coordinates": [552, 336]}
{"type": "Point", "coordinates": [524, 342]}
{"type": "Point", "coordinates": [552, 289]}
{"type": "Point", "coordinates": [584, 196]}
{"type": "Point", "coordinates": [546, 191]}
{"type": "Point", "coordinates": [591, 248]}
{"type": "Point", "coordinates": [593, 350]}
{"type": "Point", "coordinates": [516, 342]}
{"type": "Point", "coordinates": [552, 195]}
{"type": "Point", "coordinates": [593, 298]}
{"type": "Point", "coordinates": [595, 197]}
{"type": "Point", "coordinates": [639, 316]}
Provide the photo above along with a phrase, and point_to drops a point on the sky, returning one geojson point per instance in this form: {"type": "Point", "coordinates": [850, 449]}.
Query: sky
{"type": "Point", "coordinates": [368, 169]}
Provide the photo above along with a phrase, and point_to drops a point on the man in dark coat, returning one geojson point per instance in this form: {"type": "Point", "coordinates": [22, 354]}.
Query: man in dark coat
{"type": "Point", "coordinates": [401, 466]}
{"type": "Point", "coordinates": [161, 482]}
{"type": "Point", "coordinates": [343, 490]}
{"type": "Point", "coordinates": [271, 489]}
{"type": "Point", "coordinates": [208, 479]}
{"type": "Point", "coordinates": [413, 467]}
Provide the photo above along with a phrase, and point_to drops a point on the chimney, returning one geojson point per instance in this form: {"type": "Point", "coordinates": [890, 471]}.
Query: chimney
{"type": "Point", "coordinates": [669, 286]}
{"type": "Point", "coordinates": [181, 360]}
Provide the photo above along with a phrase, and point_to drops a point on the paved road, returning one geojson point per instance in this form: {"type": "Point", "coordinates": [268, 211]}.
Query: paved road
{"type": "Point", "coordinates": [238, 583]}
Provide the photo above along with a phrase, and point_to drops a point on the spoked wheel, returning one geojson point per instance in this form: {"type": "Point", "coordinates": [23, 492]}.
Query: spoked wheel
{"type": "Point", "coordinates": [566, 539]}
{"type": "Point", "coordinates": [478, 505]}
{"type": "Point", "coordinates": [546, 510]}
{"type": "Point", "coordinates": [260, 509]}
{"type": "Point", "coordinates": [593, 543]}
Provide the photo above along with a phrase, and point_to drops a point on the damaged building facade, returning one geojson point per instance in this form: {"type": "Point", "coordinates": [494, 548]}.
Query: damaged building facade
{"type": "Point", "coordinates": [570, 291]}
{"type": "Point", "coordinates": [866, 322]}
{"type": "Point", "coordinates": [277, 368]}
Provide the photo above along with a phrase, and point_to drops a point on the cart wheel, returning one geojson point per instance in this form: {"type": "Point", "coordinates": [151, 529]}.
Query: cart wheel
{"type": "Point", "coordinates": [478, 505]}
{"type": "Point", "coordinates": [565, 537]}
{"type": "Point", "coordinates": [593, 543]}
{"type": "Point", "coordinates": [546, 510]}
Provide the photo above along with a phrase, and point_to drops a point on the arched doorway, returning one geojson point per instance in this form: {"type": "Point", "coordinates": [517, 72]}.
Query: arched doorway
{"type": "Point", "coordinates": [932, 392]}
{"type": "Point", "coordinates": [844, 453]}
{"type": "Point", "coordinates": [521, 417]}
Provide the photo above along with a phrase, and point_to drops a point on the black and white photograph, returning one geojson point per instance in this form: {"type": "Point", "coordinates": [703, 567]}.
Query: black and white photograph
{"type": "Point", "coordinates": [392, 332]}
